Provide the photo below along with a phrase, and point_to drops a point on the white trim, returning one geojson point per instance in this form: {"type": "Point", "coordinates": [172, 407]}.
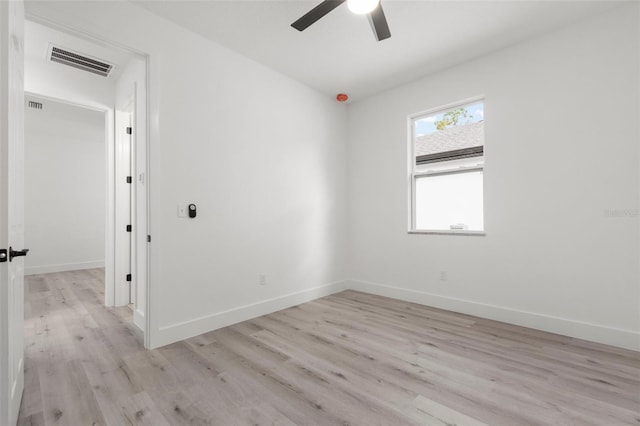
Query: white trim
{"type": "Point", "coordinates": [93, 107]}
{"type": "Point", "coordinates": [146, 262]}
{"type": "Point", "coordinates": [622, 338]}
{"type": "Point", "coordinates": [450, 171]}
{"type": "Point", "coordinates": [138, 319]}
{"type": "Point", "coordinates": [446, 108]}
{"type": "Point", "coordinates": [184, 330]}
{"type": "Point", "coordinates": [618, 337]}
{"type": "Point", "coordinates": [46, 269]}
{"type": "Point", "coordinates": [447, 232]}
{"type": "Point", "coordinates": [411, 159]}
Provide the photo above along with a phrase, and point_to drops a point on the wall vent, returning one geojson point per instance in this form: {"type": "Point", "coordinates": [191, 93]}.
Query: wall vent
{"type": "Point", "coordinates": [79, 61]}
{"type": "Point", "coordinates": [35, 105]}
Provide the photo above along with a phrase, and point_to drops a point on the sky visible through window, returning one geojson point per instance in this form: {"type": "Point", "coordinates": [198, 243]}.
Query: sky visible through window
{"type": "Point", "coordinates": [427, 125]}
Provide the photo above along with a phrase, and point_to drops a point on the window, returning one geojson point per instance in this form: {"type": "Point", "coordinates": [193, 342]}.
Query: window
{"type": "Point", "coordinates": [447, 165]}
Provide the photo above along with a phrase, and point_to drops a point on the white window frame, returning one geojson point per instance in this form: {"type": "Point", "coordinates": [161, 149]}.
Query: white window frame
{"type": "Point", "coordinates": [413, 175]}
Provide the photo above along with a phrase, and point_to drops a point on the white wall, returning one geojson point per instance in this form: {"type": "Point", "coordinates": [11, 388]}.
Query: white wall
{"type": "Point", "coordinates": [64, 187]}
{"type": "Point", "coordinates": [59, 81]}
{"type": "Point", "coordinates": [262, 156]}
{"type": "Point", "coordinates": [561, 157]}
{"type": "Point", "coordinates": [53, 80]}
{"type": "Point", "coordinates": [264, 159]}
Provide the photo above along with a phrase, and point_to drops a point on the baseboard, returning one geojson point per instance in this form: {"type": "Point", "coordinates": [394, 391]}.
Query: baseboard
{"type": "Point", "coordinates": [627, 339]}
{"type": "Point", "coordinates": [138, 319]}
{"type": "Point", "coordinates": [194, 327]}
{"type": "Point", "coordinates": [46, 269]}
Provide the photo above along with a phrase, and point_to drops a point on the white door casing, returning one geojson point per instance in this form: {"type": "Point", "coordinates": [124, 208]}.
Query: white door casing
{"type": "Point", "coordinates": [11, 208]}
{"type": "Point", "coordinates": [131, 97]}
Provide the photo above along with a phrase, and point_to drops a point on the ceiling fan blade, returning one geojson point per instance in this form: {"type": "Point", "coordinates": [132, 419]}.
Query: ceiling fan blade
{"type": "Point", "coordinates": [379, 23]}
{"type": "Point", "coordinates": [316, 13]}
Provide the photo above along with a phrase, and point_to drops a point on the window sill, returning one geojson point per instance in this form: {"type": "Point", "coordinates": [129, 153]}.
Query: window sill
{"type": "Point", "coordinates": [448, 232]}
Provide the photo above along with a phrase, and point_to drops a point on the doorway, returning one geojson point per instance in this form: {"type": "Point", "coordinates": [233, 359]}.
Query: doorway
{"type": "Point", "coordinates": [63, 67]}
{"type": "Point", "coordinates": [65, 186]}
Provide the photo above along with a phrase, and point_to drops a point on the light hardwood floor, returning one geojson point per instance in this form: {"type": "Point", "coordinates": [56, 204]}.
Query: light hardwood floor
{"type": "Point", "coordinates": [348, 359]}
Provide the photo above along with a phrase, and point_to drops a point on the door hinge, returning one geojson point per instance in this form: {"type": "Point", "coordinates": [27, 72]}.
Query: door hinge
{"type": "Point", "coordinates": [128, 277]}
{"type": "Point", "coordinates": [128, 228]}
{"type": "Point", "coordinates": [3, 255]}
{"type": "Point", "coordinates": [129, 130]}
{"type": "Point", "coordinates": [129, 179]}
{"type": "Point", "coordinates": [148, 238]}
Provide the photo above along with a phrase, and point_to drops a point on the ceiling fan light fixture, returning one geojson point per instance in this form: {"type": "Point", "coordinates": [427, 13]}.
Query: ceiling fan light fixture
{"type": "Point", "coordinates": [362, 7]}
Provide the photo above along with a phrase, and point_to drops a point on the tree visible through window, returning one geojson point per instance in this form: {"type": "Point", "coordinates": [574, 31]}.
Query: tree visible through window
{"type": "Point", "coordinates": [447, 169]}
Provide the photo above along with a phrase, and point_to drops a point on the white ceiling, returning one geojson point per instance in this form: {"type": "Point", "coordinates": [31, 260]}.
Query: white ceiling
{"type": "Point", "coordinates": [339, 52]}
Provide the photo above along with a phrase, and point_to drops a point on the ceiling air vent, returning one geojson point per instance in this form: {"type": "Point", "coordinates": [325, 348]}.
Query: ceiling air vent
{"type": "Point", "coordinates": [35, 105]}
{"type": "Point", "coordinates": [79, 61]}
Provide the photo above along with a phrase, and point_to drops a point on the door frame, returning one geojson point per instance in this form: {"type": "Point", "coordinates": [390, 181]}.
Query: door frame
{"type": "Point", "coordinates": [109, 178]}
{"type": "Point", "coordinates": [142, 190]}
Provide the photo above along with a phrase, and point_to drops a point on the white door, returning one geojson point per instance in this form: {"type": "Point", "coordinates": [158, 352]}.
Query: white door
{"type": "Point", "coordinates": [11, 208]}
{"type": "Point", "coordinates": [123, 221]}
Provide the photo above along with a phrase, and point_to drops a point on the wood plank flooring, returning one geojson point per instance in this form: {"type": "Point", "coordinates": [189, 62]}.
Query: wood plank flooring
{"type": "Point", "coordinates": [347, 359]}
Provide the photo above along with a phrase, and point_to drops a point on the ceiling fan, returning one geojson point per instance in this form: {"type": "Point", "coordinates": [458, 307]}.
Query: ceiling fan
{"type": "Point", "coordinates": [371, 7]}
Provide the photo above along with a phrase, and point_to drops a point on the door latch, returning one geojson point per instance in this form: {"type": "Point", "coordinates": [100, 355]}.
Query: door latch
{"type": "Point", "coordinates": [16, 253]}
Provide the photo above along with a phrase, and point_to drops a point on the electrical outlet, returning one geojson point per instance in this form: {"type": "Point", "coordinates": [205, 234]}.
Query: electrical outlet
{"type": "Point", "coordinates": [262, 279]}
{"type": "Point", "coordinates": [443, 276]}
{"type": "Point", "coordinates": [182, 210]}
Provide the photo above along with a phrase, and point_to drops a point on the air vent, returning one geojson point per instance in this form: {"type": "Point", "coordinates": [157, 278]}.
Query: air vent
{"type": "Point", "coordinates": [79, 61]}
{"type": "Point", "coordinates": [35, 105]}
